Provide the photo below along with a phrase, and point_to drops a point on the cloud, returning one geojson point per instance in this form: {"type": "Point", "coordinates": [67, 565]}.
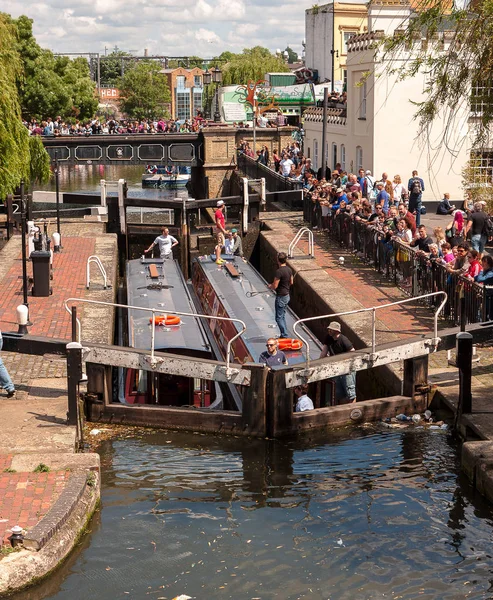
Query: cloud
{"type": "Point", "coordinates": [164, 27]}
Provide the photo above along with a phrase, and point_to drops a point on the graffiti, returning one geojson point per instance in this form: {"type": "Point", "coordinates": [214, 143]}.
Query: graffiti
{"type": "Point", "coordinates": [258, 95]}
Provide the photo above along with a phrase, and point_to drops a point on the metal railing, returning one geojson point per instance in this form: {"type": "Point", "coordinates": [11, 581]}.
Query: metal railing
{"type": "Point", "coordinates": [373, 310]}
{"type": "Point", "coordinates": [96, 260]}
{"type": "Point", "coordinates": [161, 311]}
{"type": "Point", "coordinates": [415, 274]}
{"type": "Point", "coordinates": [297, 238]}
{"type": "Point", "coordinates": [275, 182]}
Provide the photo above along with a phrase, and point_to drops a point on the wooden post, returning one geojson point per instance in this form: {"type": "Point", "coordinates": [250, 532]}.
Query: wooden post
{"type": "Point", "coordinates": [464, 363]}
{"type": "Point", "coordinates": [254, 404]}
{"type": "Point", "coordinates": [279, 405]}
{"type": "Point", "coordinates": [74, 323]}
{"type": "Point", "coordinates": [74, 375]}
{"type": "Point", "coordinates": [415, 373]}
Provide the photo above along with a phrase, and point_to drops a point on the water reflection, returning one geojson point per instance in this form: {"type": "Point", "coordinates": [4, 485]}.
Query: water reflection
{"type": "Point", "coordinates": [378, 515]}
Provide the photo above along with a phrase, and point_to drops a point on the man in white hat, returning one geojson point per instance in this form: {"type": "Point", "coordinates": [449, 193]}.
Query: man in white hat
{"type": "Point", "coordinates": [336, 343]}
{"type": "Point", "coordinates": [220, 230]}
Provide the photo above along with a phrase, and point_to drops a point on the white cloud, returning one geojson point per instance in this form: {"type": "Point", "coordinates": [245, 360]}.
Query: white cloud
{"type": "Point", "coordinates": [204, 35]}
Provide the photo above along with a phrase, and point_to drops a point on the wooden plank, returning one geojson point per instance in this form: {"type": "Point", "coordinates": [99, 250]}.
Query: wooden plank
{"type": "Point", "coordinates": [170, 364]}
{"type": "Point", "coordinates": [231, 269]}
{"type": "Point", "coordinates": [153, 272]}
{"type": "Point", "coordinates": [254, 406]}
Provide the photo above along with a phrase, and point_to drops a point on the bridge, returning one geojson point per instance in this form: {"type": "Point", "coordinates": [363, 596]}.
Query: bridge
{"type": "Point", "coordinates": [181, 149]}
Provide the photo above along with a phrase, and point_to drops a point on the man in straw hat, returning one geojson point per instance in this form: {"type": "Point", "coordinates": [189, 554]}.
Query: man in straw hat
{"type": "Point", "coordinates": [336, 343]}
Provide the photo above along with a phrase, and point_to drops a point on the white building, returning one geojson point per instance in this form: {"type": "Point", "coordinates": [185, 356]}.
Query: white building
{"type": "Point", "coordinates": [378, 129]}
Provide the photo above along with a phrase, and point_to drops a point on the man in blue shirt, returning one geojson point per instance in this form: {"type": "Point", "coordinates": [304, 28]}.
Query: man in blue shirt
{"type": "Point", "coordinates": [382, 197]}
{"type": "Point", "coordinates": [416, 188]}
{"type": "Point", "coordinates": [272, 357]}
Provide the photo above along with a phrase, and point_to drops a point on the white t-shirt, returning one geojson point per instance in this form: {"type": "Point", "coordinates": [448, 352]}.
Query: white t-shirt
{"type": "Point", "coordinates": [304, 403]}
{"type": "Point", "coordinates": [286, 165]}
{"type": "Point", "coordinates": [164, 242]}
{"type": "Point", "coordinates": [228, 245]}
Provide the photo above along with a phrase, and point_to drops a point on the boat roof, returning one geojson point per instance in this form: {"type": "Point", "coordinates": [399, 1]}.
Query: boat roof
{"type": "Point", "coordinates": [168, 293]}
{"type": "Point", "coordinates": [257, 311]}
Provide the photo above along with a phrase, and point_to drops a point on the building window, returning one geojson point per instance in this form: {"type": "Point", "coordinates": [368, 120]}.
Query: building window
{"type": "Point", "coordinates": [197, 101]}
{"type": "Point", "coordinates": [197, 81]}
{"type": "Point", "coordinates": [334, 155]}
{"type": "Point", "coordinates": [362, 100]}
{"type": "Point", "coordinates": [347, 35]}
{"type": "Point", "coordinates": [182, 104]}
{"type": "Point", "coordinates": [343, 157]}
{"type": "Point", "coordinates": [180, 82]}
{"type": "Point", "coordinates": [359, 158]}
{"type": "Point", "coordinates": [315, 155]}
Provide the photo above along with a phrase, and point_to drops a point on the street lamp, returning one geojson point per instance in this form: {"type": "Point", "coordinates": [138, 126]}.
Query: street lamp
{"type": "Point", "coordinates": [57, 194]}
{"type": "Point", "coordinates": [206, 78]}
{"type": "Point", "coordinates": [217, 78]}
{"type": "Point", "coordinates": [24, 253]}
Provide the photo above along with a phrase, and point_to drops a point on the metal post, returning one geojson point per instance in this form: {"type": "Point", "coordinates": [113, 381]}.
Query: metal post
{"type": "Point", "coordinates": [24, 255]}
{"type": "Point", "coordinates": [464, 363]}
{"type": "Point", "coordinates": [74, 375]}
{"type": "Point", "coordinates": [57, 193]}
{"type": "Point", "coordinates": [217, 114]}
{"type": "Point", "coordinates": [184, 239]}
{"type": "Point", "coordinates": [333, 51]}
{"type": "Point", "coordinates": [74, 323]}
{"type": "Point", "coordinates": [324, 131]}
{"type": "Point", "coordinates": [255, 124]}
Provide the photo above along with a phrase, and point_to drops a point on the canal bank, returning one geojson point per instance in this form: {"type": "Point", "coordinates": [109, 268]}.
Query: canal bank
{"type": "Point", "coordinates": [48, 488]}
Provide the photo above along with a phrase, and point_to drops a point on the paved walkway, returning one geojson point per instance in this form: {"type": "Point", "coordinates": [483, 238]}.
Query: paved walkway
{"type": "Point", "coordinates": [33, 427]}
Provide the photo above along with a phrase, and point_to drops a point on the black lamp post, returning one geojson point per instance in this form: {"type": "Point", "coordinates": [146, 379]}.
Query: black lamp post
{"type": "Point", "coordinates": [24, 253]}
{"type": "Point", "coordinates": [207, 80]}
{"type": "Point", "coordinates": [57, 194]}
{"type": "Point", "coordinates": [217, 77]}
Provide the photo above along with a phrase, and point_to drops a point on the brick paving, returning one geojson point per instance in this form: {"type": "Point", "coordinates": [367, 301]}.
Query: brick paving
{"type": "Point", "coordinates": [26, 497]}
{"type": "Point", "coordinates": [368, 287]}
{"type": "Point", "coordinates": [48, 314]}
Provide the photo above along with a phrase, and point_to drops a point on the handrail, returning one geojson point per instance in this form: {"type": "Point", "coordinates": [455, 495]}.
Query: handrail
{"type": "Point", "coordinates": [374, 309]}
{"type": "Point", "coordinates": [95, 259]}
{"type": "Point", "coordinates": [297, 238]}
{"type": "Point", "coordinates": [161, 311]}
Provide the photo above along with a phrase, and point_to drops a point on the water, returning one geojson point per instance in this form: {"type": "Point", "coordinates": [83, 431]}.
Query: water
{"type": "Point", "coordinates": [370, 516]}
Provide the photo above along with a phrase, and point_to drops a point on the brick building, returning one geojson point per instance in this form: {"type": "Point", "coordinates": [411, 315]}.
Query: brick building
{"type": "Point", "coordinates": [186, 87]}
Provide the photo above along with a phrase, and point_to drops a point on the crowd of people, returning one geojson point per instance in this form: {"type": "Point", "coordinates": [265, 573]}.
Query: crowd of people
{"type": "Point", "coordinates": [60, 127]}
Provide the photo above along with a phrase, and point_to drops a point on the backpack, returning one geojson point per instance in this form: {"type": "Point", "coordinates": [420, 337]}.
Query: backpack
{"type": "Point", "coordinates": [488, 227]}
{"type": "Point", "coordinates": [416, 187]}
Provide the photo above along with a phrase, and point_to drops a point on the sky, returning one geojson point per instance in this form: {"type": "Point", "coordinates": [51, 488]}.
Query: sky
{"type": "Point", "coordinates": [165, 27]}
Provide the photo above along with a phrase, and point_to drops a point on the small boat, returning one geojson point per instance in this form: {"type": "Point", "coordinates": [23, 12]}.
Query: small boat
{"type": "Point", "coordinates": [162, 176]}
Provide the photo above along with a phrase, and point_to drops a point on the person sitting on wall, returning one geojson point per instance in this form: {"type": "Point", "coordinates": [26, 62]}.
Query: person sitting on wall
{"type": "Point", "coordinates": [272, 357]}
{"type": "Point", "coordinates": [303, 402]}
{"type": "Point", "coordinates": [336, 343]}
{"type": "Point", "coordinates": [444, 207]}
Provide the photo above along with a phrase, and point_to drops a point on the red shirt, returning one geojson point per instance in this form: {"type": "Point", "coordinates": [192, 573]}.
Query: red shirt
{"type": "Point", "coordinates": [219, 216]}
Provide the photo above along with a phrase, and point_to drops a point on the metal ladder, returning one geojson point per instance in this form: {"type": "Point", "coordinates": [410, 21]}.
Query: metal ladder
{"type": "Point", "coordinates": [95, 259]}
{"type": "Point", "coordinates": [297, 238]}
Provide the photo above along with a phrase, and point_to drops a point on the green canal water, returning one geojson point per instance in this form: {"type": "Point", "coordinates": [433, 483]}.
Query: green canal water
{"type": "Point", "coordinates": [370, 514]}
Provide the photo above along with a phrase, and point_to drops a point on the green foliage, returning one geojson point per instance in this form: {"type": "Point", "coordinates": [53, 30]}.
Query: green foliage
{"type": "Point", "coordinates": [14, 138]}
{"type": "Point", "coordinates": [39, 164]}
{"type": "Point", "coordinates": [252, 65]}
{"type": "Point", "coordinates": [477, 183]}
{"type": "Point", "coordinates": [455, 48]}
{"type": "Point", "coordinates": [42, 468]}
{"type": "Point", "coordinates": [112, 66]}
{"type": "Point", "coordinates": [292, 55]}
{"type": "Point", "coordinates": [315, 9]}
{"type": "Point", "coordinates": [9, 470]}
{"type": "Point", "coordinates": [144, 91]}
{"type": "Point", "coordinates": [52, 86]}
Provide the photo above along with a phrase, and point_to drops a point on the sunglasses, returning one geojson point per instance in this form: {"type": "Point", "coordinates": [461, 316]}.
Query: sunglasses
{"type": "Point", "coordinates": [270, 345]}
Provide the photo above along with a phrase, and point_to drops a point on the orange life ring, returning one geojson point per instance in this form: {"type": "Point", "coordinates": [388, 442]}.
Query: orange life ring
{"type": "Point", "coordinates": [166, 320]}
{"type": "Point", "coordinates": [289, 344]}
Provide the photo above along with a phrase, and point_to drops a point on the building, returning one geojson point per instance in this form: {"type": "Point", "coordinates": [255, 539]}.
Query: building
{"type": "Point", "coordinates": [327, 31]}
{"type": "Point", "coordinates": [187, 91]}
{"type": "Point", "coordinates": [377, 129]}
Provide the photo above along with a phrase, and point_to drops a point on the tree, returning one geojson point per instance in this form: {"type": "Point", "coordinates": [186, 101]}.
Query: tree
{"type": "Point", "coordinates": [14, 138]}
{"type": "Point", "coordinates": [144, 91]}
{"type": "Point", "coordinates": [252, 65]}
{"type": "Point", "coordinates": [51, 86]}
{"type": "Point", "coordinates": [454, 46]}
{"type": "Point", "coordinates": [39, 161]}
{"type": "Point", "coordinates": [112, 67]}
{"type": "Point", "coordinates": [292, 55]}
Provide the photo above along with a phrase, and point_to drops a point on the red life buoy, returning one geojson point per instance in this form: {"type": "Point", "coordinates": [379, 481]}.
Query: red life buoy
{"type": "Point", "coordinates": [166, 320]}
{"type": "Point", "coordinates": [289, 344]}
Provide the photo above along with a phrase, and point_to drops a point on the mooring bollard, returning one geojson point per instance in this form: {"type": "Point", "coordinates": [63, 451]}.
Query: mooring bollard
{"type": "Point", "coordinates": [464, 363]}
{"type": "Point", "coordinates": [74, 375]}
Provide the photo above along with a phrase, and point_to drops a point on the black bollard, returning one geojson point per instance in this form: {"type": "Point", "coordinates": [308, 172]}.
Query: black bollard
{"type": "Point", "coordinates": [464, 363]}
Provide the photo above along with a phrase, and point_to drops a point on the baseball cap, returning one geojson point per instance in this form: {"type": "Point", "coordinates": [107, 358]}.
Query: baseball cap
{"type": "Point", "coordinates": [335, 326]}
{"type": "Point", "coordinates": [339, 190]}
{"type": "Point", "coordinates": [220, 203]}
{"type": "Point", "coordinates": [234, 231]}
